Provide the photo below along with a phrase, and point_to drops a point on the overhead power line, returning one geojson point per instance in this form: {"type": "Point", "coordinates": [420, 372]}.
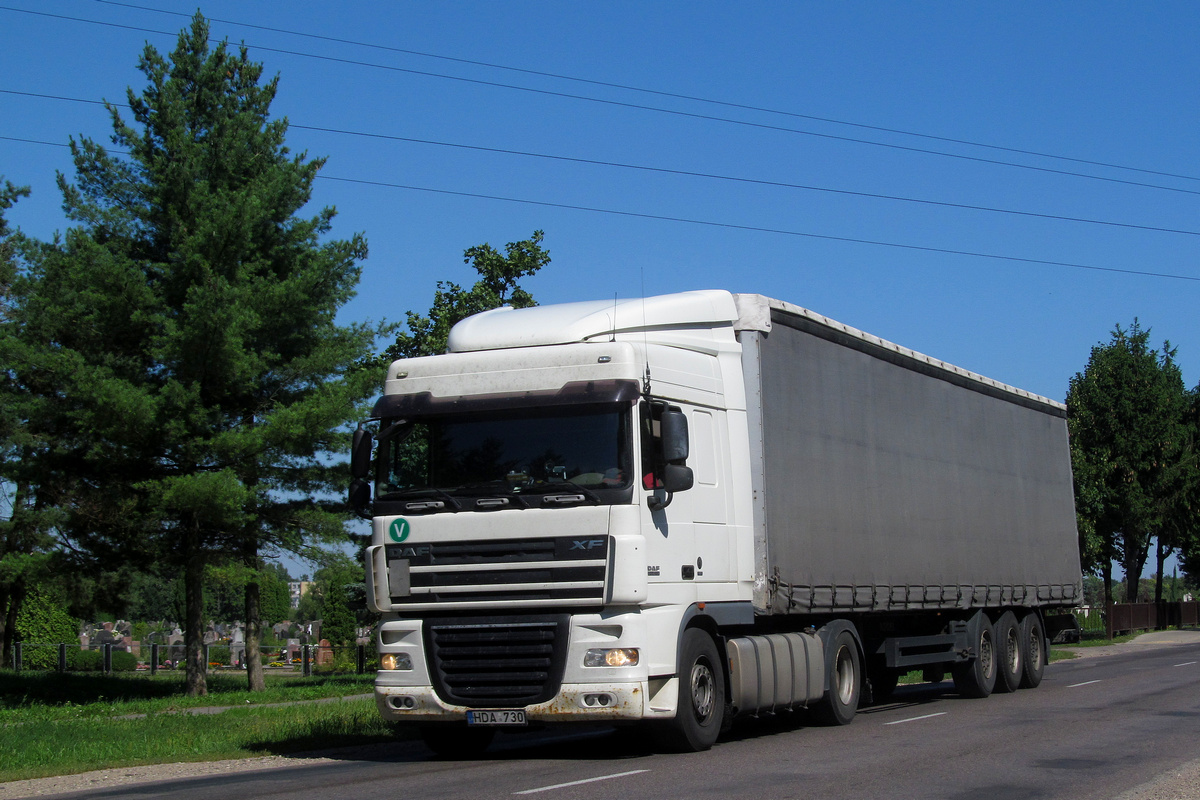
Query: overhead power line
{"type": "Point", "coordinates": [642, 107]}
{"type": "Point", "coordinates": [726, 225]}
{"type": "Point", "coordinates": [686, 173]}
{"type": "Point", "coordinates": [658, 92]}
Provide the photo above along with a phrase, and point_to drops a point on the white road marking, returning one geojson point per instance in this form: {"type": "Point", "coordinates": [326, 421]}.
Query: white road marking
{"type": "Point", "coordinates": [1187, 663]}
{"type": "Point", "coordinates": [914, 719]}
{"type": "Point", "coordinates": [585, 780]}
{"type": "Point", "coordinates": [1085, 683]}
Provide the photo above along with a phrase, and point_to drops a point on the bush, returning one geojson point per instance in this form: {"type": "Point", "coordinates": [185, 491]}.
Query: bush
{"type": "Point", "coordinates": [122, 661]}
{"type": "Point", "coordinates": [93, 661]}
{"type": "Point", "coordinates": [41, 621]}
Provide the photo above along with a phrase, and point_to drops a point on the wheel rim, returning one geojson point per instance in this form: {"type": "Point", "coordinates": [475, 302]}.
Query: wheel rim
{"type": "Point", "coordinates": [1035, 649]}
{"type": "Point", "coordinates": [845, 676]}
{"type": "Point", "coordinates": [986, 655]}
{"type": "Point", "coordinates": [703, 691]}
{"type": "Point", "coordinates": [1013, 640]}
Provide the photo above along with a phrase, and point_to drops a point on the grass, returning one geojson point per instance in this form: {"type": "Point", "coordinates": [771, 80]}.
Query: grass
{"type": "Point", "coordinates": [43, 696]}
{"type": "Point", "coordinates": [1100, 640]}
{"type": "Point", "coordinates": [61, 724]}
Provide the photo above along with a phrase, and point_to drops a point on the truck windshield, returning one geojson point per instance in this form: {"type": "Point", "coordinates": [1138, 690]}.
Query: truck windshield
{"type": "Point", "coordinates": [533, 451]}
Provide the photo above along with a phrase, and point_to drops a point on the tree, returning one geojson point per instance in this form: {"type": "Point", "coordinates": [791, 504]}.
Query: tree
{"type": "Point", "coordinates": [337, 620]}
{"type": "Point", "coordinates": [1125, 415]}
{"type": "Point", "coordinates": [154, 597]}
{"type": "Point", "coordinates": [1184, 517]}
{"type": "Point", "coordinates": [497, 286]}
{"type": "Point", "coordinates": [24, 543]}
{"type": "Point", "coordinates": [212, 397]}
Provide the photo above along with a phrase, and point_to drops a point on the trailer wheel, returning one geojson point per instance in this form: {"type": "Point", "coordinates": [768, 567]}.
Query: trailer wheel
{"type": "Point", "coordinates": [977, 677]}
{"type": "Point", "coordinates": [844, 681]}
{"type": "Point", "coordinates": [1009, 653]}
{"type": "Point", "coordinates": [1033, 650]}
{"type": "Point", "coordinates": [701, 708]}
{"type": "Point", "coordinates": [451, 740]}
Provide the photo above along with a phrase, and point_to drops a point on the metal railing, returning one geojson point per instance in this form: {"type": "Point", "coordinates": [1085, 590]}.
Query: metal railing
{"type": "Point", "coordinates": [306, 659]}
{"type": "Point", "coordinates": [1132, 617]}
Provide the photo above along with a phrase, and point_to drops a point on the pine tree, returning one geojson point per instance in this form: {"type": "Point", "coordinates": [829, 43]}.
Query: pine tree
{"type": "Point", "coordinates": [213, 382]}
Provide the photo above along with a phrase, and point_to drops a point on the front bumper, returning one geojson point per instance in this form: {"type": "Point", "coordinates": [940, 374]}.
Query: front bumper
{"type": "Point", "coordinates": [574, 702]}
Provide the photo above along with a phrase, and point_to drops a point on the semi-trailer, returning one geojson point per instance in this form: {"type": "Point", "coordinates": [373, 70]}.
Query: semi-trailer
{"type": "Point", "coordinates": [681, 509]}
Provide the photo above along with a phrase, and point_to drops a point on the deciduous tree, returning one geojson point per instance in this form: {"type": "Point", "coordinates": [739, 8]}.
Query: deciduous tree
{"type": "Point", "coordinates": [1125, 413]}
{"type": "Point", "coordinates": [498, 285]}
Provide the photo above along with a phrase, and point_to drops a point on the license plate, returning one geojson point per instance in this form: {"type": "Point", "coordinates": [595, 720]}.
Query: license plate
{"type": "Point", "coordinates": [503, 716]}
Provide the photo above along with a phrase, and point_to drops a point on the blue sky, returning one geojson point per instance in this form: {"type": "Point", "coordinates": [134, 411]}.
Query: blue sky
{"type": "Point", "coordinates": [832, 87]}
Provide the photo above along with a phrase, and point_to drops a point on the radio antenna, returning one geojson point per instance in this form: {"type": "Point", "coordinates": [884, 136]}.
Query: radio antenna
{"type": "Point", "coordinates": [612, 336]}
{"type": "Point", "coordinates": [645, 335]}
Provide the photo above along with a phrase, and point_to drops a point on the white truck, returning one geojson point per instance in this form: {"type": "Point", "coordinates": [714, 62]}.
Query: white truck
{"type": "Point", "coordinates": [680, 509]}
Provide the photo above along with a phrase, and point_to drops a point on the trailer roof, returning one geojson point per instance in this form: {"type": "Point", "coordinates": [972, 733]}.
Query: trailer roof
{"type": "Point", "coordinates": [754, 313]}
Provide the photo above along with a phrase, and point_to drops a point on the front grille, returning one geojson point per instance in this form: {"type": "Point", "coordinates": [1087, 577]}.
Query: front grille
{"type": "Point", "coordinates": [562, 571]}
{"type": "Point", "coordinates": [510, 662]}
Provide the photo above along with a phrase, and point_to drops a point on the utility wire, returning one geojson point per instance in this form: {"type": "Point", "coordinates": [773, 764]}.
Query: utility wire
{"type": "Point", "coordinates": [641, 107]}
{"type": "Point", "coordinates": [685, 173]}
{"type": "Point", "coordinates": [714, 224]}
{"type": "Point", "coordinates": [659, 92]}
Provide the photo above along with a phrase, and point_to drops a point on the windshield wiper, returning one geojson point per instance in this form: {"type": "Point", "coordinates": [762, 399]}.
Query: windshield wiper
{"type": "Point", "coordinates": [563, 485]}
{"type": "Point", "coordinates": [417, 491]}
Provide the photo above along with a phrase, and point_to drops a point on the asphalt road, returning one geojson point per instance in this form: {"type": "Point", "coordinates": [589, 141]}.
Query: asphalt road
{"type": "Point", "coordinates": [1097, 727]}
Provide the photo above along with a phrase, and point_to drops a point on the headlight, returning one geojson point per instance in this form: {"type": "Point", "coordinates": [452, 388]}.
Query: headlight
{"type": "Point", "coordinates": [616, 657]}
{"type": "Point", "coordinates": [395, 661]}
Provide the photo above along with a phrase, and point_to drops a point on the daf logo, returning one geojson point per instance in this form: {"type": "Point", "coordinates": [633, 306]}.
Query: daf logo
{"type": "Point", "coordinates": [587, 544]}
{"type": "Point", "coordinates": [410, 551]}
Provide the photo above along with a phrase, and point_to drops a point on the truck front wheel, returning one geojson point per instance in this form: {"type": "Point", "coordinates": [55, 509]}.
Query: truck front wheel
{"type": "Point", "coordinates": [844, 680]}
{"type": "Point", "coordinates": [701, 706]}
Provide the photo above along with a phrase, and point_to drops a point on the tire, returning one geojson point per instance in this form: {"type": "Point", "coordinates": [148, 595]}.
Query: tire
{"type": "Point", "coordinates": [977, 677]}
{"type": "Point", "coordinates": [1033, 650]}
{"type": "Point", "coordinates": [843, 674]}
{"type": "Point", "coordinates": [1010, 659]}
{"type": "Point", "coordinates": [450, 740]}
{"type": "Point", "coordinates": [701, 705]}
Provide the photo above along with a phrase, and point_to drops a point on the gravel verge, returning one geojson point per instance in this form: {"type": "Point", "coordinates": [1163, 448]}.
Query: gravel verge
{"type": "Point", "coordinates": [123, 776]}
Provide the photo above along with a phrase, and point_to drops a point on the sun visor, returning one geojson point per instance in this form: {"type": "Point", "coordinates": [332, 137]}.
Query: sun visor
{"type": "Point", "coordinates": [576, 393]}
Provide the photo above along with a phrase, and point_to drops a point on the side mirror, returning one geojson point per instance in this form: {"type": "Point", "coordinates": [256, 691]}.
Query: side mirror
{"type": "Point", "coordinates": [360, 454]}
{"type": "Point", "coordinates": [677, 478]}
{"type": "Point", "coordinates": [673, 439]}
{"type": "Point", "coordinates": [674, 432]}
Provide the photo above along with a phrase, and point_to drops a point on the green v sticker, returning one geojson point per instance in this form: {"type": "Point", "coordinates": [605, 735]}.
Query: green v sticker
{"type": "Point", "coordinates": [399, 530]}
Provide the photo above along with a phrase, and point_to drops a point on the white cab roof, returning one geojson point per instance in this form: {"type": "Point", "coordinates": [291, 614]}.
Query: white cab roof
{"type": "Point", "coordinates": [578, 322]}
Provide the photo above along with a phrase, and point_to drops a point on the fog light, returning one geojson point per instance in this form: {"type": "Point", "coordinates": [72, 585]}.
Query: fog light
{"type": "Point", "coordinates": [401, 661]}
{"type": "Point", "coordinates": [402, 703]}
{"type": "Point", "coordinates": [616, 657]}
